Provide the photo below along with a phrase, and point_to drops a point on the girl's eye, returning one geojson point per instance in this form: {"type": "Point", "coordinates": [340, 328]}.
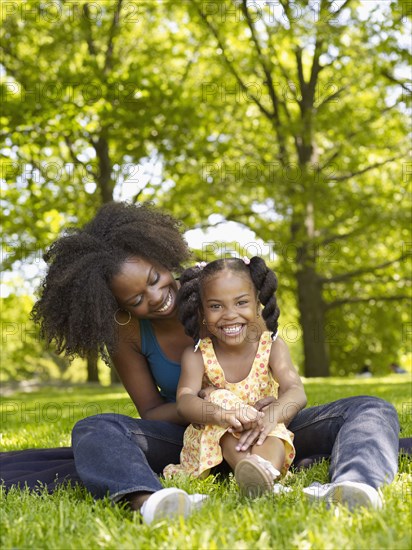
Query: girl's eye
{"type": "Point", "coordinates": [214, 306]}
{"type": "Point", "coordinates": [242, 302]}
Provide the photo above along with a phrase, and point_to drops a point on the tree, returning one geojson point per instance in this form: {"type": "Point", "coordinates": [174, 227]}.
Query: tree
{"type": "Point", "coordinates": [23, 355]}
{"type": "Point", "coordinates": [287, 117]}
{"type": "Point", "coordinates": [85, 90]}
{"type": "Point", "coordinates": [307, 111]}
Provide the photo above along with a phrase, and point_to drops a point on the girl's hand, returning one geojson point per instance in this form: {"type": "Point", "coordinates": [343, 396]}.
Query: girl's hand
{"type": "Point", "coordinates": [245, 417]}
{"type": "Point", "coordinates": [247, 439]}
{"type": "Point", "coordinates": [257, 434]}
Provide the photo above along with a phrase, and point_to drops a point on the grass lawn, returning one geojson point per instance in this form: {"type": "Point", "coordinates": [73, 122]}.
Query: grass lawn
{"type": "Point", "coordinates": [70, 519]}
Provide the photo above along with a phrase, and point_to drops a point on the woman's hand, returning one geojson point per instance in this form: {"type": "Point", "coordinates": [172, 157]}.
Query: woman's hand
{"type": "Point", "coordinates": [264, 402]}
{"type": "Point", "coordinates": [205, 392]}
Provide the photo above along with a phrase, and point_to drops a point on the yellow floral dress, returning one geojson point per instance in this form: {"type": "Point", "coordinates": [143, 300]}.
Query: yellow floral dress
{"type": "Point", "coordinates": [201, 449]}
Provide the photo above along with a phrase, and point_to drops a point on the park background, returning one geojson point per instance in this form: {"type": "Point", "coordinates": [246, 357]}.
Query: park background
{"type": "Point", "coordinates": [275, 128]}
{"type": "Point", "coordinates": [289, 120]}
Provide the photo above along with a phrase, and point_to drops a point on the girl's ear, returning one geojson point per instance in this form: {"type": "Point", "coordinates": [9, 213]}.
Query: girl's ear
{"type": "Point", "coordinates": [202, 324]}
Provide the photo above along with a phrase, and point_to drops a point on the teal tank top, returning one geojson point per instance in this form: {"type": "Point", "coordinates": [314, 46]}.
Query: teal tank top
{"type": "Point", "coordinates": [165, 372]}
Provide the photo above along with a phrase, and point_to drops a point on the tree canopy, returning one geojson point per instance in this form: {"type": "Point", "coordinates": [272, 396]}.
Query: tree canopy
{"type": "Point", "coordinates": [290, 118]}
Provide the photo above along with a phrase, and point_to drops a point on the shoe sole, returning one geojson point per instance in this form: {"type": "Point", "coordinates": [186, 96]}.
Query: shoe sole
{"type": "Point", "coordinates": [253, 480]}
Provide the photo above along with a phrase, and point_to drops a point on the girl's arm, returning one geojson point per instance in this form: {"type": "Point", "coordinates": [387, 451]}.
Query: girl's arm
{"type": "Point", "coordinates": [189, 405]}
{"type": "Point", "coordinates": [200, 411]}
{"type": "Point", "coordinates": [134, 372]}
{"type": "Point", "coordinates": [291, 396]}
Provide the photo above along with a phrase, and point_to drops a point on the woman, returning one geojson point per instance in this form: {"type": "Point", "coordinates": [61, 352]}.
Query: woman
{"type": "Point", "coordinates": [110, 285]}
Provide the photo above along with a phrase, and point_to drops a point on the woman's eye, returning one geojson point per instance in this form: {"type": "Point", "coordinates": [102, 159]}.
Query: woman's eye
{"type": "Point", "coordinates": [138, 301]}
{"type": "Point", "coordinates": [242, 302]}
{"type": "Point", "coordinates": [214, 306]}
{"type": "Point", "coordinates": [155, 279]}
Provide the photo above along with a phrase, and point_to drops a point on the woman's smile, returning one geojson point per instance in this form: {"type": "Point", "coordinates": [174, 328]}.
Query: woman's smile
{"type": "Point", "coordinates": [169, 302]}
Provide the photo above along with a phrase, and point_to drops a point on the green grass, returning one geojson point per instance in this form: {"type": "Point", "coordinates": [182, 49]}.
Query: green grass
{"type": "Point", "coordinates": [70, 519]}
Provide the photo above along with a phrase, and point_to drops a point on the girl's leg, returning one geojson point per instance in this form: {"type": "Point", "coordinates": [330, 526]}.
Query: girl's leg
{"type": "Point", "coordinates": [255, 472]}
{"type": "Point", "coordinates": [272, 449]}
{"type": "Point", "coordinates": [228, 445]}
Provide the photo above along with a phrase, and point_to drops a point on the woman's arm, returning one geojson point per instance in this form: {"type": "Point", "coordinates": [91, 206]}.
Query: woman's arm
{"type": "Point", "coordinates": [134, 372]}
{"type": "Point", "coordinates": [291, 397]}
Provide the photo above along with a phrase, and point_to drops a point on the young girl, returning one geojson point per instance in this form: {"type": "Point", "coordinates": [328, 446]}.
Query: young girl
{"type": "Point", "coordinates": [238, 361]}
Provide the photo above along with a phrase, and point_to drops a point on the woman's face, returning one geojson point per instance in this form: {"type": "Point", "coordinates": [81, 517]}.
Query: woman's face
{"type": "Point", "coordinates": [145, 289]}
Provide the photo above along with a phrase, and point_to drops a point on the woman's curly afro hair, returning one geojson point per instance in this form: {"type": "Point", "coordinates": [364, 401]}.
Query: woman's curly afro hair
{"type": "Point", "coordinates": [76, 307]}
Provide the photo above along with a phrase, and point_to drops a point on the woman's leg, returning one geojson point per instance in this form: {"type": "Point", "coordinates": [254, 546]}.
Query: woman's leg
{"type": "Point", "coordinates": [118, 455]}
{"type": "Point", "coordinates": [359, 433]}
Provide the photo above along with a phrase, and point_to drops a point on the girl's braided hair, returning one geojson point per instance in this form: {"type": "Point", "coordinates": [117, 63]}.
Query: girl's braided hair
{"type": "Point", "coordinates": [192, 279]}
{"type": "Point", "coordinates": [76, 306]}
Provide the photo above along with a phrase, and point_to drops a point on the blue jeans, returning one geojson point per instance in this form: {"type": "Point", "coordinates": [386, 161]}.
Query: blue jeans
{"type": "Point", "coordinates": [116, 455]}
{"type": "Point", "coordinates": [360, 434]}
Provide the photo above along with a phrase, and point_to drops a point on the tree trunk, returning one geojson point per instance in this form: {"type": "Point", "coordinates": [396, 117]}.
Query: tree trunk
{"type": "Point", "coordinates": [114, 377]}
{"type": "Point", "coordinates": [312, 318]}
{"type": "Point", "coordinates": [106, 187]}
{"type": "Point", "coordinates": [104, 180]}
{"type": "Point", "coordinates": [92, 371]}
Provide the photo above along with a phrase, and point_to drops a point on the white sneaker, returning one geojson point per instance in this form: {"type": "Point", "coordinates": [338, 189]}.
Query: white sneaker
{"type": "Point", "coordinates": [197, 500]}
{"type": "Point", "coordinates": [350, 493]}
{"type": "Point", "coordinates": [279, 489]}
{"type": "Point", "coordinates": [166, 503]}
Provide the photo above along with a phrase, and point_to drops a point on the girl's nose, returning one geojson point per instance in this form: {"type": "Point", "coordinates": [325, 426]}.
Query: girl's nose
{"type": "Point", "coordinates": [229, 313]}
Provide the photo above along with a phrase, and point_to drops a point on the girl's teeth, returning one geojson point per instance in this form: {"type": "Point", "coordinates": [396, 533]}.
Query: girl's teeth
{"type": "Point", "coordinates": [232, 330]}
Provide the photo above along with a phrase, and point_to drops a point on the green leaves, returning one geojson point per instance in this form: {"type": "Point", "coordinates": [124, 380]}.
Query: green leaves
{"type": "Point", "coordinates": [288, 118]}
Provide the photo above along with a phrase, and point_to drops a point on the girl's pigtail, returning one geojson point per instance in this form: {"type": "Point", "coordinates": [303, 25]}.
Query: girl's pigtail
{"type": "Point", "coordinates": [188, 302]}
{"type": "Point", "coordinates": [266, 283]}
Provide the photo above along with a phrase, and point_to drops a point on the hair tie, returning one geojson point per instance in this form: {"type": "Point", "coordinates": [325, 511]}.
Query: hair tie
{"type": "Point", "coordinates": [246, 260]}
{"type": "Point", "coordinates": [274, 335]}
{"type": "Point", "coordinates": [201, 265]}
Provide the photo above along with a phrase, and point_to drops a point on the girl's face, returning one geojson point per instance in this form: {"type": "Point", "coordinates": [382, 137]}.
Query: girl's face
{"type": "Point", "coordinates": [230, 306]}
{"type": "Point", "coordinates": [145, 289]}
